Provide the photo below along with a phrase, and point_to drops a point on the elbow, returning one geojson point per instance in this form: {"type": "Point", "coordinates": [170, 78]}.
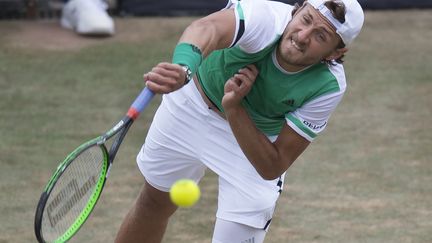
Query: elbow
{"type": "Point", "coordinates": [274, 170]}
{"type": "Point", "coordinates": [271, 174]}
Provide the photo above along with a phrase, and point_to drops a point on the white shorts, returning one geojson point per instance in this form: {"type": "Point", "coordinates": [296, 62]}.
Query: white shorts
{"type": "Point", "coordinates": [185, 138]}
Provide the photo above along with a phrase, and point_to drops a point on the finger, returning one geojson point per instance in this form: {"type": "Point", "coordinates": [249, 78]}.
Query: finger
{"type": "Point", "coordinates": [245, 83]}
{"type": "Point", "coordinates": [248, 73]}
{"type": "Point", "coordinates": [166, 72]}
{"type": "Point", "coordinates": [244, 78]}
{"type": "Point", "coordinates": [157, 88]}
{"type": "Point", "coordinates": [232, 85]}
{"type": "Point", "coordinates": [253, 68]}
{"type": "Point", "coordinates": [159, 79]}
{"type": "Point", "coordinates": [170, 66]}
{"type": "Point", "coordinates": [233, 81]}
{"type": "Point", "coordinates": [236, 80]}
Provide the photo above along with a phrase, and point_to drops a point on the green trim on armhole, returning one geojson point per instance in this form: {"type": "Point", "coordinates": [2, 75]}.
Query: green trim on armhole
{"type": "Point", "coordinates": [240, 11]}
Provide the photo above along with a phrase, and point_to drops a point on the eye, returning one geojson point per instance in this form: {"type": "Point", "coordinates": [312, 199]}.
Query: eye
{"type": "Point", "coordinates": [306, 19]}
{"type": "Point", "coordinates": [321, 37]}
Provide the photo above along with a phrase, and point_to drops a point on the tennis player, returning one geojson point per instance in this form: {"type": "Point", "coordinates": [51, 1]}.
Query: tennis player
{"type": "Point", "coordinates": [248, 89]}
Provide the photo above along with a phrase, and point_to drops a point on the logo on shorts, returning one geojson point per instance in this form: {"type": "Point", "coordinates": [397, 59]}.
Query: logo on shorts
{"type": "Point", "coordinates": [251, 240]}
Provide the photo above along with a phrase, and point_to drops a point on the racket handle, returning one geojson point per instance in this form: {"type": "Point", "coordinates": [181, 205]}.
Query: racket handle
{"type": "Point", "coordinates": [140, 103]}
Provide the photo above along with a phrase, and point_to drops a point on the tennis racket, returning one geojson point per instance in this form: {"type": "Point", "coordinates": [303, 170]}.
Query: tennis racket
{"type": "Point", "coordinates": [75, 187]}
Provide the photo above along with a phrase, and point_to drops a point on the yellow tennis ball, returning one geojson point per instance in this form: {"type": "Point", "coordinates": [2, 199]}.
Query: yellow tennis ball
{"type": "Point", "coordinates": [184, 193]}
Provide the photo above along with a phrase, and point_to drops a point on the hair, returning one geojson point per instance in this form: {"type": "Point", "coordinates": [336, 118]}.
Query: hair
{"type": "Point", "coordinates": [337, 8]}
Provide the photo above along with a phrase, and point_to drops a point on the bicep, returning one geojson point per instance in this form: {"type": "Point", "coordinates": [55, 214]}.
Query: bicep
{"type": "Point", "coordinates": [213, 32]}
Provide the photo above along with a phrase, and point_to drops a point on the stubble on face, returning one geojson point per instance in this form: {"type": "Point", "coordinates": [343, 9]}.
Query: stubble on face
{"type": "Point", "coordinates": [294, 53]}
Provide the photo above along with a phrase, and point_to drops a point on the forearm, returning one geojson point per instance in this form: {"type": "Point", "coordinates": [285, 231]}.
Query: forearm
{"type": "Point", "coordinates": [210, 33]}
{"type": "Point", "coordinates": [270, 159]}
{"type": "Point", "coordinates": [259, 150]}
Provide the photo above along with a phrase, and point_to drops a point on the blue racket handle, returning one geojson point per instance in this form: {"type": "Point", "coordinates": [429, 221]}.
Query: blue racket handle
{"type": "Point", "coordinates": [140, 103]}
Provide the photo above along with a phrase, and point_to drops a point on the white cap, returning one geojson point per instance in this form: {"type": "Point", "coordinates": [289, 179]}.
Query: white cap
{"type": "Point", "coordinates": [354, 18]}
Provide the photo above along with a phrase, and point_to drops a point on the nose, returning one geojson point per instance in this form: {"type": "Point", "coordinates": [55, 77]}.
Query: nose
{"type": "Point", "coordinates": [304, 34]}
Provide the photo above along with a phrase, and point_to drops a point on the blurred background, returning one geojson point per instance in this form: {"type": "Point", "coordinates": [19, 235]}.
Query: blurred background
{"type": "Point", "coordinates": [52, 8]}
{"type": "Point", "coordinates": [366, 179]}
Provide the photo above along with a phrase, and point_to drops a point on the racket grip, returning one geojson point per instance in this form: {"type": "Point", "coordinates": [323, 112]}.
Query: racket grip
{"type": "Point", "coordinates": [140, 103]}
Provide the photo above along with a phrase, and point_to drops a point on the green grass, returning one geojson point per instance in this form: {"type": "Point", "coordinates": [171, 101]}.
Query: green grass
{"type": "Point", "coordinates": [367, 178]}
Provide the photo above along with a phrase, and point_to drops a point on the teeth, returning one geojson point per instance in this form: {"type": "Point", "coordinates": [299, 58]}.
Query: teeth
{"type": "Point", "coordinates": [295, 45]}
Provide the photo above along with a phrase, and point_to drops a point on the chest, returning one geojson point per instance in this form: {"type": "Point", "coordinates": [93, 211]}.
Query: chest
{"type": "Point", "coordinates": [276, 93]}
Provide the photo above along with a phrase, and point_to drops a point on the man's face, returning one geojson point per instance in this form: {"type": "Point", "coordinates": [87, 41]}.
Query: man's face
{"type": "Point", "coordinates": [308, 39]}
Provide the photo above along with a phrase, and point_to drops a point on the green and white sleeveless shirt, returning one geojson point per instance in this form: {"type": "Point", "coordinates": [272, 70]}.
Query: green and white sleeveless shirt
{"type": "Point", "coordinates": [304, 100]}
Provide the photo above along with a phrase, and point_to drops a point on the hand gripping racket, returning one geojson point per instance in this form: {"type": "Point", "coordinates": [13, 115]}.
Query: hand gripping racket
{"type": "Point", "coordinates": [75, 187]}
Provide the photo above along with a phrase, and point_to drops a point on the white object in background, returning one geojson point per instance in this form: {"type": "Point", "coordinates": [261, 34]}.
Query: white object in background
{"type": "Point", "coordinates": [87, 17]}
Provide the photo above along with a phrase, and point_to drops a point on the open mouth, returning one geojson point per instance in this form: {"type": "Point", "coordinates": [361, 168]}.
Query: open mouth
{"type": "Point", "coordinates": [295, 45]}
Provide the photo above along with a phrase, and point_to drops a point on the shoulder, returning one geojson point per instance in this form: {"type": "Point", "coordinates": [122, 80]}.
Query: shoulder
{"type": "Point", "coordinates": [259, 23]}
{"type": "Point", "coordinates": [327, 78]}
{"type": "Point", "coordinates": [266, 11]}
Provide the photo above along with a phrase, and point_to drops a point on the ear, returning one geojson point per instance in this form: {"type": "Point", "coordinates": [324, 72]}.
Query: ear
{"type": "Point", "coordinates": [336, 54]}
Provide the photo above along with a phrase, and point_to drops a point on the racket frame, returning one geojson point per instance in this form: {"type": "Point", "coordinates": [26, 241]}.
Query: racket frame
{"type": "Point", "coordinates": [120, 129]}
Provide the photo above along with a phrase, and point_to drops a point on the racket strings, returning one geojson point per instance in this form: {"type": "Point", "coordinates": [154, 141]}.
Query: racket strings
{"type": "Point", "coordinates": [71, 193]}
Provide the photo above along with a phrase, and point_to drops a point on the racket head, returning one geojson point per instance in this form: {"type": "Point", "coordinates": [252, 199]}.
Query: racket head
{"type": "Point", "coordinates": [72, 192]}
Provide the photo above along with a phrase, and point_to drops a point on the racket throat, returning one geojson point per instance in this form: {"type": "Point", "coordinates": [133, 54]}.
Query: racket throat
{"type": "Point", "coordinates": [117, 142]}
